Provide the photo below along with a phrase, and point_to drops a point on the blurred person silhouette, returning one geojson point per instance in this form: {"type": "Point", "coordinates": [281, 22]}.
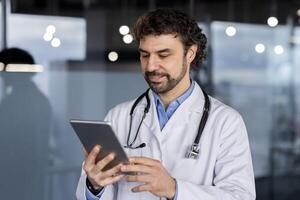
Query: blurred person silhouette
{"type": "Point", "coordinates": [25, 118]}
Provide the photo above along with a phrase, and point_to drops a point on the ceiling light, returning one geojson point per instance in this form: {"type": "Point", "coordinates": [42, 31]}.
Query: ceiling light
{"type": "Point", "coordinates": [278, 49]}
{"type": "Point", "coordinates": [1, 66]}
{"type": "Point", "coordinates": [55, 42]}
{"type": "Point", "coordinates": [24, 68]}
{"type": "Point", "coordinates": [230, 31]}
{"type": "Point", "coordinates": [260, 48]}
{"type": "Point", "coordinates": [113, 56]}
{"type": "Point", "coordinates": [50, 29]}
{"type": "Point", "coordinates": [48, 36]}
{"type": "Point", "coordinates": [272, 21]}
{"type": "Point", "coordinates": [124, 30]}
{"type": "Point", "coordinates": [127, 38]}
{"type": "Point", "coordinates": [298, 12]}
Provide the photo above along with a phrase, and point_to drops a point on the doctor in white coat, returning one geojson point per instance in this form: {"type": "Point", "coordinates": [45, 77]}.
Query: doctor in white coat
{"type": "Point", "coordinates": [170, 44]}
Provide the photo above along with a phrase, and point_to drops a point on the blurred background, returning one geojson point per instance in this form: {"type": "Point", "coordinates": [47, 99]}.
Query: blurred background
{"type": "Point", "coordinates": [87, 63]}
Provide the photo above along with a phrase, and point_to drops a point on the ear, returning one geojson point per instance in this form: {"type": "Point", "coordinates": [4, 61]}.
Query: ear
{"type": "Point", "coordinates": [191, 53]}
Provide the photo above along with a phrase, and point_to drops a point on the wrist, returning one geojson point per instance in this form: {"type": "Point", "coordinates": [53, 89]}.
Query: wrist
{"type": "Point", "coordinates": [172, 190]}
{"type": "Point", "coordinates": [92, 188]}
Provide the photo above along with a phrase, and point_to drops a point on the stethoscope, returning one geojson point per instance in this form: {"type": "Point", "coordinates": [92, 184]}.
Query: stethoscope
{"type": "Point", "coordinates": [194, 150]}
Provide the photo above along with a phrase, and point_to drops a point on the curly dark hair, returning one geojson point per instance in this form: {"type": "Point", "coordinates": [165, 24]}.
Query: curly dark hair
{"type": "Point", "coordinates": [170, 21]}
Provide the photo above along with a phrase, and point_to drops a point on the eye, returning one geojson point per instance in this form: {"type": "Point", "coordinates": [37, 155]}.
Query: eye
{"type": "Point", "coordinates": [163, 55]}
{"type": "Point", "coordinates": [144, 55]}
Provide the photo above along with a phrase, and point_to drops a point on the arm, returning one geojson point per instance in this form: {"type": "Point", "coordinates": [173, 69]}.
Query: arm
{"type": "Point", "coordinates": [82, 192]}
{"type": "Point", "coordinates": [91, 193]}
{"type": "Point", "coordinates": [108, 188]}
{"type": "Point", "coordinates": [98, 179]}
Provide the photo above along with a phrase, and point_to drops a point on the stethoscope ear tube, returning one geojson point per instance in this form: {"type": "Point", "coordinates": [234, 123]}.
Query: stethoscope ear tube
{"type": "Point", "coordinates": [194, 150]}
{"type": "Point", "coordinates": [148, 101]}
{"type": "Point", "coordinates": [146, 110]}
{"type": "Point", "coordinates": [206, 109]}
{"type": "Point", "coordinates": [138, 100]}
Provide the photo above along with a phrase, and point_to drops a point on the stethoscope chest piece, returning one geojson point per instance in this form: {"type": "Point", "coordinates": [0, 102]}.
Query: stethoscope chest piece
{"type": "Point", "coordinates": [193, 151]}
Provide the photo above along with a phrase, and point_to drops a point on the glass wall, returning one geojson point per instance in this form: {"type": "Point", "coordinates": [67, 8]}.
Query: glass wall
{"type": "Point", "coordinates": [255, 71]}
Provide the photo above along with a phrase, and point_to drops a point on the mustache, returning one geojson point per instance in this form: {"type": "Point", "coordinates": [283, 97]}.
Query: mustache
{"type": "Point", "coordinates": [155, 73]}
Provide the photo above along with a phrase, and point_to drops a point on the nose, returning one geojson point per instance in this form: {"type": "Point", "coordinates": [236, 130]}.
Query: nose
{"type": "Point", "coordinates": [152, 63]}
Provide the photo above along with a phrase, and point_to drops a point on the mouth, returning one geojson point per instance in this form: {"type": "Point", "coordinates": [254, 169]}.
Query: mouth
{"type": "Point", "coordinates": [155, 76]}
{"type": "Point", "coordinates": [155, 79]}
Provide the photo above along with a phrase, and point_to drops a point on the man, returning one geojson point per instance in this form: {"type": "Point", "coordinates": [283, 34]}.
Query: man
{"type": "Point", "coordinates": [170, 44]}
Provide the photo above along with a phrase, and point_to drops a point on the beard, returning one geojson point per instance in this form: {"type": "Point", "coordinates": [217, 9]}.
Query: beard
{"type": "Point", "coordinates": [165, 85]}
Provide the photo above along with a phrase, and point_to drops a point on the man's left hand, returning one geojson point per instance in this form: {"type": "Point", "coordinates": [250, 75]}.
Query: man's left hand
{"type": "Point", "coordinates": [154, 176]}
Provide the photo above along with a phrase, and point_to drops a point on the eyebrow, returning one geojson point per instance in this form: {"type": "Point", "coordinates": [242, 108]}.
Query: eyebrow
{"type": "Point", "coordinates": [159, 51]}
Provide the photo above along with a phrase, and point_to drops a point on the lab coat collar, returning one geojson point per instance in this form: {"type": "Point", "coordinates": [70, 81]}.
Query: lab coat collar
{"type": "Point", "coordinates": [192, 105]}
{"type": "Point", "coordinates": [187, 114]}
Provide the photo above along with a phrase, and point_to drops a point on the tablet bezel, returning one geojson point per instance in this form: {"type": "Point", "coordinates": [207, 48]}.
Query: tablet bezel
{"type": "Point", "coordinates": [91, 133]}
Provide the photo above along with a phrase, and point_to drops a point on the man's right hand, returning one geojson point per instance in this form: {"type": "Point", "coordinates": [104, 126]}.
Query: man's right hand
{"type": "Point", "coordinates": [93, 169]}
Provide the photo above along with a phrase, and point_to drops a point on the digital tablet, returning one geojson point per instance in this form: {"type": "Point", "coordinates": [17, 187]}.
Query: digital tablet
{"type": "Point", "coordinates": [91, 133]}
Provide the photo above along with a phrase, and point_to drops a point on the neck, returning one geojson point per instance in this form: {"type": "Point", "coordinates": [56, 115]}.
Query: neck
{"type": "Point", "coordinates": [177, 91]}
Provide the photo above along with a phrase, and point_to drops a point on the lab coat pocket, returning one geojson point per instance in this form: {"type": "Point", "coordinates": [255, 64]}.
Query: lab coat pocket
{"type": "Point", "coordinates": [188, 169]}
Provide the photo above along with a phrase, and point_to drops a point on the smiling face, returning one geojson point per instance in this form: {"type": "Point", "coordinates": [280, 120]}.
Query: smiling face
{"type": "Point", "coordinates": [165, 64]}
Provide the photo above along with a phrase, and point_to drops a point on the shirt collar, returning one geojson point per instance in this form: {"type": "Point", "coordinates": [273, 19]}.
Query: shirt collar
{"type": "Point", "coordinates": [179, 100]}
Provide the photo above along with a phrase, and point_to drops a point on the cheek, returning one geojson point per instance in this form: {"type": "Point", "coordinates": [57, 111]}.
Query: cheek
{"type": "Point", "coordinates": [142, 65]}
{"type": "Point", "coordinates": [143, 70]}
{"type": "Point", "coordinates": [174, 67]}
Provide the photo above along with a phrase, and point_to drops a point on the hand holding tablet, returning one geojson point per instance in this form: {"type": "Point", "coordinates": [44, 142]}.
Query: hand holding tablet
{"type": "Point", "coordinates": [105, 153]}
{"type": "Point", "coordinates": [92, 133]}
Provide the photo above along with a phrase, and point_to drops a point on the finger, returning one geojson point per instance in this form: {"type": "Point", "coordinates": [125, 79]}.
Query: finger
{"type": "Point", "coordinates": [103, 162]}
{"type": "Point", "coordinates": [144, 161]}
{"type": "Point", "coordinates": [137, 168]}
{"type": "Point", "coordinates": [113, 171]}
{"type": "Point", "coordinates": [139, 178]}
{"type": "Point", "coordinates": [91, 158]}
{"type": "Point", "coordinates": [141, 188]}
{"type": "Point", "coordinates": [110, 180]}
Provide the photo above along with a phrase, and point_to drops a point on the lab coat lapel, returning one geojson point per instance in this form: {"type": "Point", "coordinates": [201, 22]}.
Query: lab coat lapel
{"type": "Point", "coordinates": [151, 119]}
{"type": "Point", "coordinates": [187, 114]}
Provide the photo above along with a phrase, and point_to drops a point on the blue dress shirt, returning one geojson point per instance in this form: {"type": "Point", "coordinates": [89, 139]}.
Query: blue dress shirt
{"type": "Point", "coordinates": [163, 117]}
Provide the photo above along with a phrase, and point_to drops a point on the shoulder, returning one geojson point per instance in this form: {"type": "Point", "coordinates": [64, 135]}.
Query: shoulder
{"type": "Point", "coordinates": [222, 109]}
{"type": "Point", "coordinates": [125, 107]}
{"type": "Point", "coordinates": [226, 116]}
{"type": "Point", "coordinates": [119, 110]}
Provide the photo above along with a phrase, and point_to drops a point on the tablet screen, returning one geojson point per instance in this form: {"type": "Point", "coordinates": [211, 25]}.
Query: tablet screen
{"type": "Point", "coordinates": [91, 133]}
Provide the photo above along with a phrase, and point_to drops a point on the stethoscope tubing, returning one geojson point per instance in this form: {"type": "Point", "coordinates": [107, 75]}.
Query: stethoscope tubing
{"type": "Point", "coordinates": [206, 109]}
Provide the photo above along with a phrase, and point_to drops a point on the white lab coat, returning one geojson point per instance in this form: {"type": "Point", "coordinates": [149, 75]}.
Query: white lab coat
{"type": "Point", "coordinates": [224, 168]}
